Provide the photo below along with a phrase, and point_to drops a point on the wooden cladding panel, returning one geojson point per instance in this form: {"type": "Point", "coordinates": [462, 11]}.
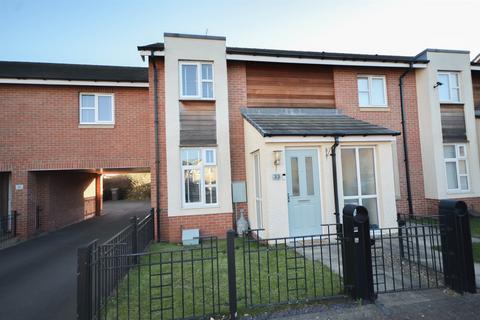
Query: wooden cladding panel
{"type": "Point", "coordinates": [198, 124]}
{"type": "Point", "coordinates": [288, 85]}
{"type": "Point", "coordinates": [453, 123]}
{"type": "Point", "coordinates": [476, 88]}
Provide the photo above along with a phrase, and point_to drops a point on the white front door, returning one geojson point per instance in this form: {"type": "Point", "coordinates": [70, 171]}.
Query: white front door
{"type": "Point", "coordinates": [303, 187]}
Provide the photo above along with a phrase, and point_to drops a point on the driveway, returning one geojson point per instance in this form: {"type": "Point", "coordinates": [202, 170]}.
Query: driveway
{"type": "Point", "coordinates": [38, 277]}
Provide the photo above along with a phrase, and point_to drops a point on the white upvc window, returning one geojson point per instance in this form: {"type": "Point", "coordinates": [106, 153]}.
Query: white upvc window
{"type": "Point", "coordinates": [449, 90]}
{"type": "Point", "coordinates": [359, 179]}
{"type": "Point", "coordinates": [199, 176]}
{"type": "Point", "coordinates": [258, 189]}
{"type": "Point", "coordinates": [456, 167]}
{"type": "Point", "coordinates": [196, 80]}
{"type": "Point", "coordinates": [97, 108]}
{"type": "Point", "coordinates": [372, 91]}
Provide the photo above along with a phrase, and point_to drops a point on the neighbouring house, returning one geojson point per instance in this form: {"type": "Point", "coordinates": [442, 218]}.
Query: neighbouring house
{"type": "Point", "coordinates": [297, 134]}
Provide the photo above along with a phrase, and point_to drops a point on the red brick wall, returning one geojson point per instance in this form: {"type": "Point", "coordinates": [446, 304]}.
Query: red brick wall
{"type": "Point", "coordinates": [60, 196]}
{"type": "Point", "coordinates": [237, 99]}
{"type": "Point", "coordinates": [39, 130]}
{"type": "Point", "coordinates": [346, 99]}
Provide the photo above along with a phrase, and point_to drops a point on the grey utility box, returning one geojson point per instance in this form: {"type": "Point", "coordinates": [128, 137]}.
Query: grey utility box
{"type": "Point", "coordinates": [239, 192]}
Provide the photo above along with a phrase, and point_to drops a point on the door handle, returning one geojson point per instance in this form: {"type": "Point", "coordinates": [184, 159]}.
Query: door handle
{"type": "Point", "coordinates": [288, 197]}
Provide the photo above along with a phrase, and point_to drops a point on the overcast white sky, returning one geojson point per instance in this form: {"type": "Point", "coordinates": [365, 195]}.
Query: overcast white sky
{"type": "Point", "coordinates": [108, 31]}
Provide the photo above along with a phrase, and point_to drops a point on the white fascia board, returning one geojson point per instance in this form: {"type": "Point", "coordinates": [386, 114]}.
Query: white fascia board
{"type": "Point", "coordinates": [242, 57]}
{"type": "Point", "coordinates": [51, 82]}
{"type": "Point", "coordinates": [297, 139]}
{"type": "Point", "coordinates": [147, 53]}
{"type": "Point", "coordinates": [475, 68]}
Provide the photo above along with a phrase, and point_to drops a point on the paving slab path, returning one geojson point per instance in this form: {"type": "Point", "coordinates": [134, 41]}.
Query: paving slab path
{"type": "Point", "coordinates": [38, 277]}
{"type": "Point", "coordinates": [434, 304]}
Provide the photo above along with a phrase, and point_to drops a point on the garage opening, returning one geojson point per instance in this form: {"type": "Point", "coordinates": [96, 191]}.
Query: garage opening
{"type": "Point", "coordinates": [65, 197]}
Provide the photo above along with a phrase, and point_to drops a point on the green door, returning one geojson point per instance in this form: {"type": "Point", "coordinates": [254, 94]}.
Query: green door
{"type": "Point", "coordinates": [303, 187]}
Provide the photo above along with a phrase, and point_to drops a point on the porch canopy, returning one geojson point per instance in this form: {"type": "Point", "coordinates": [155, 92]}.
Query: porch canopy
{"type": "Point", "coordinates": [310, 122]}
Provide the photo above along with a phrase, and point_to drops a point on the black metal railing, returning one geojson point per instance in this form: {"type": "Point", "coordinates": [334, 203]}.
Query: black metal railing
{"type": "Point", "coordinates": [102, 267]}
{"type": "Point", "coordinates": [8, 229]}
{"type": "Point", "coordinates": [217, 278]}
{"type": "Point", "coordinates": [289, 269]}
{"type": "Point", "coordinates": [419, 266]}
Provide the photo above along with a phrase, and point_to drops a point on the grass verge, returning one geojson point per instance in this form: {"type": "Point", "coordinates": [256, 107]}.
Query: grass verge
{"type": "Point", "coordinates": [199, 284]}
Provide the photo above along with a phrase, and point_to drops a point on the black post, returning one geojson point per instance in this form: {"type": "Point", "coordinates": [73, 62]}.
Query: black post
{"type": "Point", "coordinates": [459, 271]}
{"type": "Point", "coordinates": [84, 282]}
{"type": "Point", "coordinates": [357, 265]}
{"type": "Point", "coordinates": [232, 276]}
{"type": "Point", "coordinates": [15, 223]}
{"type": "Point", "coordinates": [401, 224]}
{"type": "Point", "coordinates": [134, 223]}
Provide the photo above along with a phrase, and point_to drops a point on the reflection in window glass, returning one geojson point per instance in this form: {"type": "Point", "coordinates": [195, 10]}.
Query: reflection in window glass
{"type": "Point", "coordinates": [192, 185]}
{"type": "Point", "coordinates": [349, 173]}
{"type": "Point", "coordinates": [309, 175]}
{"type": "Point", "coordinates": [367, 171]}
{"type": "Point", "coordinates": [189, 80]}
{"type": "Point", "coordinates": [295, 177]}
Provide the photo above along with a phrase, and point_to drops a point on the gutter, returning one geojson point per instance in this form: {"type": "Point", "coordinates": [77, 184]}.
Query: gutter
{"type": "Point", "coordinates": [405, 140]}
{"type": "Point", "coordinates": [157, 145]}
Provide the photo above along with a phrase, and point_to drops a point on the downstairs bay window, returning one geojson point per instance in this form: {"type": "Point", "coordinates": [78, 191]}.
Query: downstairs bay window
{"type": "Point", "coordinates": [456, 167]}
{"type": "Point", "coordinates": [199, 176]}
{"type": "Point", "coordinates": [359, 181]}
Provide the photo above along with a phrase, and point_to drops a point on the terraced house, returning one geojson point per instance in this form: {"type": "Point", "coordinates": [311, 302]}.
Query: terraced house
{"type": "Point", "coordinates": [287, 137]}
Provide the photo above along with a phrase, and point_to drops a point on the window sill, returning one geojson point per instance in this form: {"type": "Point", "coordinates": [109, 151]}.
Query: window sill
{"type": "Point", "coordinates": [200, 206]}
{"type": "Point", "coordinates": [96, 126]}
{"type": "Point", "coordinates": [371, 108]}
{"type": "Point", "coordinates": [458, 192]}
{"type": "Point", "coordinates": [196, 100]}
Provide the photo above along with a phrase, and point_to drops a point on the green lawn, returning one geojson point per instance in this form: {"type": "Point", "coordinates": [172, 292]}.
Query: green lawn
{"type": "Point", "coordinates": [475, 226]}
{"type": "Point", "coordinates": [476, 252]}
{"type": "Point", "coordinates": [265, 281]}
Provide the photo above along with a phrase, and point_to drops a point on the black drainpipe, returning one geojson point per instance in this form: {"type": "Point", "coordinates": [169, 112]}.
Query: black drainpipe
{"type": "Point", "coordinates": [335, 182]}
{"type": "Point", "coordinates": [157, 145]}
{"type": "Point", "coordinates": [405, 144]}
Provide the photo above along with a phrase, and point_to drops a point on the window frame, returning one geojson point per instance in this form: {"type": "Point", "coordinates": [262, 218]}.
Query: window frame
{"type": "Point", "coordinates": [95, 108]}
{"type": "Point", "coordinates": [456, 160]}
{"type": "Point", "coordinates": [200, 80]}
{"type": "Point", "coordinates": [359, 196]}
{"type": "Point", "coordinates": [257, 179]}
{"type": "Point", "coordinates": [369, 78]}
{"type": "Point", "coordinates": [450, 86]}
{"type": "Point", "coordinates": [201, 167]}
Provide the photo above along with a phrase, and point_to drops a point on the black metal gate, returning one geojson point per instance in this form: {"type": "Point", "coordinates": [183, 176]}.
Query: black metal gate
{"type": "Point", "coordinates": [408, 257]}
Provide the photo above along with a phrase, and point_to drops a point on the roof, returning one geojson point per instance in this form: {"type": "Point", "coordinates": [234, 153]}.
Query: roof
{"type": "Point", "coordinates": [159, 46]}
{"type": "Point", "coordinates": [309, 122]}
{"type": "Point", "coordinates": [62, 71]}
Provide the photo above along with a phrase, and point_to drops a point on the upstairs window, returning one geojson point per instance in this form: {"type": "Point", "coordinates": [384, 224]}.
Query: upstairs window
{"type": "Point", "coordinates": [449, 91]}
{"type": "Point", "coordinates": [372, 91]}
{"type": "Point", "coordinates": [96, 108]}
{"type": "Point", "coordinates": [456, 166]}
{"type": "Point", "coordinates": [196, 80]}
{"type": "Point", "coordinates": [199, 175]}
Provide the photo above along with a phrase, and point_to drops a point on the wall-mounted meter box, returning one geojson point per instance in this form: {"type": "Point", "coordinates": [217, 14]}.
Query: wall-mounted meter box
{"type": "Point", "coordinates": [239, 192]}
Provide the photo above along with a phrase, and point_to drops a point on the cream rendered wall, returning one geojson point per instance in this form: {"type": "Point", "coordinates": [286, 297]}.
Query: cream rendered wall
{"type": "Point", "coordinates": [431, 140]}
{"type": "Point", "coordinates": [192, 49]}
{"type": "Point", "coordinates": [274, 192]}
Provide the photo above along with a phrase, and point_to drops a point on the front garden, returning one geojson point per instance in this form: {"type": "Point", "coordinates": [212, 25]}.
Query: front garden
{"type": "Point", "coordinates": [172, 281]}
